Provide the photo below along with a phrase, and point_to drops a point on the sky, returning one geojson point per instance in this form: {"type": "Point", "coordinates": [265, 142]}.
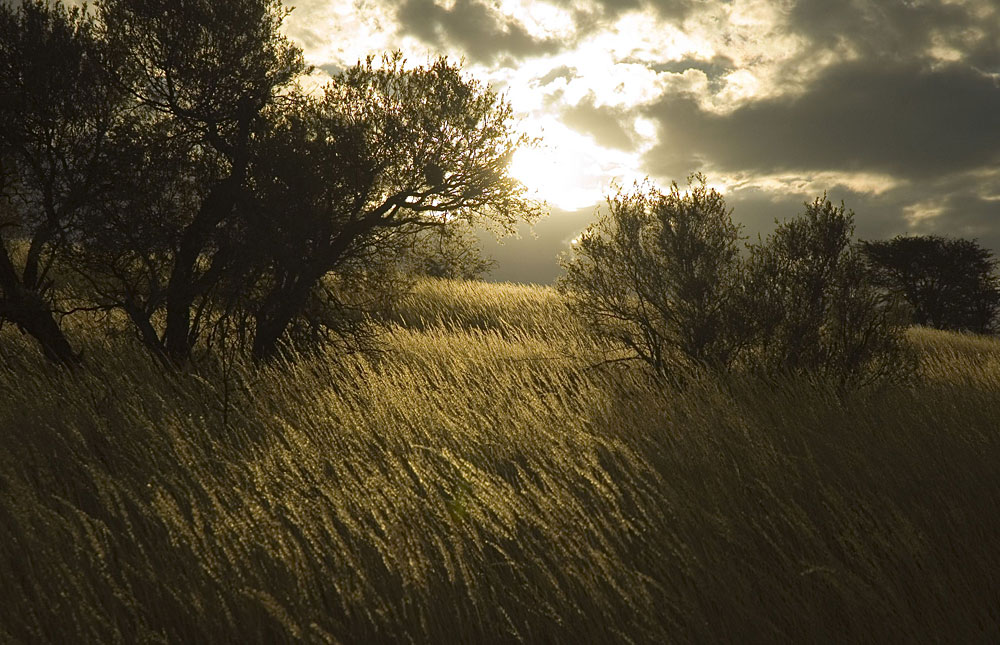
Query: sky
{"type": "Point", "coordinates": [891, 106]}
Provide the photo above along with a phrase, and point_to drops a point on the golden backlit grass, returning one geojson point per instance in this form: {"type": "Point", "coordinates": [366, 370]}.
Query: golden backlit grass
{"type": "Point", "coordinates": [478, 482]}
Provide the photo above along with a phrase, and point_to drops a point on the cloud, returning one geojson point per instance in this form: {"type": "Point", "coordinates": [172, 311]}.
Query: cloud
{"type": "Point", "coordinates": [965, 205]}
{"type": "Point", "coordinates": [891, 105]}
{"type": "Point", "coordinates": [606, 124]}
{"type": "Point", "coordinates": [899, 29]}
{"type": "Point", "coordinates": [607, 9]}
{"type": "Point", "coordinates": [481, 33]}
{"type": "Point", "coordinates": [906, 121]}
{"type": "Point", "coordinates": [962, 205]}
{"type": "Point", "coordinates": [564, 72]}
{"type": "Point", "coordinates": [714, 69]}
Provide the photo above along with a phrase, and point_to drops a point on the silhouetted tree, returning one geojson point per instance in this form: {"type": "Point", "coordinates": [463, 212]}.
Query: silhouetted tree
{"type": "Point", "coordinates": [949, 283]}
{"type": "Point", "coordinates": [128, 240]}
{"type": "Point", "coordinates": [57, 108]}
{"type": "Point", "coordinates": [342, 178]}
{"type": "Point", "coordinates": [209, 69]}
{"type": "Point", "coordinates": [656, 274]}
{"type": "Point", "coordinates": [167, 154]}
{"type": "Point", "coordinates": [812, 308]}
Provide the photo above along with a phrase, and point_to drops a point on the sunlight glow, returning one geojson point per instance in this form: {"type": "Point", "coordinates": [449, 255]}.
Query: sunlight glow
{"type": "Point", "coordinates": [575, 174]}
{"type": "Point", "coordinates": [554, 175]}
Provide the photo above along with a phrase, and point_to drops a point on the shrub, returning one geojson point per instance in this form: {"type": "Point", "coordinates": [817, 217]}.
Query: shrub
{"type": "Point", "coordinates": [659, 276]}
{"type": "Point", "coordinates": [812, 307]}
{"type": "Point", "coordinates": [655, 275]}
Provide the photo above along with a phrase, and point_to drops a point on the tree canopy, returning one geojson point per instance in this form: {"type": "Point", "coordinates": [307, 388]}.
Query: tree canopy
{"type": "Point", "coordinates": [168, 156]}
{"type": "Point", "coordinates": [57, 109]}
{"type": "Point", "coordinates": [655, 273]}
{"type": "Point", "coordinates": [950, 283]}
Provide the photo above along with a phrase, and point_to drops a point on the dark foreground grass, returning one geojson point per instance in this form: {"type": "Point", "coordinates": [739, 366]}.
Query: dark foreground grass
{"type": "Point", "coordinates": [480, 484]}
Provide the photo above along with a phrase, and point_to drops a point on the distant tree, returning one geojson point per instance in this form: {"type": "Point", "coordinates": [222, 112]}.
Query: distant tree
{"type": "Point", "coordinates": [57, 108]}
{"type": "Point", "coordinates": [656, 274]}
{"type": "Point", "coordinates": [812, 308]}
{"type": "Point", "coordinates": [949, 283]}
{"type": "Point", "coordinates": [450, 251]}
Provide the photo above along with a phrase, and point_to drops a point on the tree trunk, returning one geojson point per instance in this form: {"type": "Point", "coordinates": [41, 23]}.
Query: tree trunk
{"type": "Point", "coordinates": [181, 288]}
{"type": "Point", "coordinates": [26, 309]}
{"type": "Point", "coordinates": [280, 307]}
{"type": "Point", "coordinates": [283, 303]}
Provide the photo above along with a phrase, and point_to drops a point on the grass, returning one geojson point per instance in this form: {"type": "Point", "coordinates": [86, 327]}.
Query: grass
{"type": "Point", "coordinates": [478, 483]}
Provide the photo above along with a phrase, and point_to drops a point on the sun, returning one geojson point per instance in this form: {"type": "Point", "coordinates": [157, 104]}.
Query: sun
{"type": "Point", "coordinates": [559, 171]}
{"type": "Point", "coordinates": [569, 170]}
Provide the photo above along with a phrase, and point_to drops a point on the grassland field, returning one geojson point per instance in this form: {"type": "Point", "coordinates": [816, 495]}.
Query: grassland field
{"type": "Point", "coordinates": [481, 481]}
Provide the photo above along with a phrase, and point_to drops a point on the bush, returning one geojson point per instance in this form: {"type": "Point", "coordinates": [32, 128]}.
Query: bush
{"type": "Point", "coordinates": [655, 274]}
{"type": "Point", "coordinates": [660, 276]}
{"type": "Point", "coordinates": [813, 307]}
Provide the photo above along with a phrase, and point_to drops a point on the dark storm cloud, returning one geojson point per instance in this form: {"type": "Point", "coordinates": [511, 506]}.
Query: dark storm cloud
{"type": "Point", "coordinates": [964, 212]}
{"type": "Point", "coordinates": [665, 8]}
{"type": "Point", "coordinates": [875, 216]}
{"type": "Point", "coordinates": [607, 125]}
{"type": "Point", "coordinates": [901, 29]}
{"type": "Point", "coordinates": [961, 202]}
{"type": "Point", "coordinates": [482, 34]}
{"type": "Point", "coordinates": [906, 121]}
{"type": "Point", "coordinates": [485, 35]}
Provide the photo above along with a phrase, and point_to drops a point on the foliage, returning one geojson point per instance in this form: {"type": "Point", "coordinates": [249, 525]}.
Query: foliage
{"type": "Point", "coordinates": [188, 181]}
{"type": "Point", "coordinates": [449, 251]}
{"type": "Point", "coordinates": [202, 74]}
{"type": "Point", "coordinates": [57, 107]}
{"type": "Point", "coordinates": [948, 283]}
{"type": "Point", "coordinates": [392, 151]}
{"type": "Point", "coordinates": [656, 273]}
{"type": "Point", "coordinates": [477, 486]}
{"type": "Point", "coordinates": [813, 308]}
{"type": "Point", "coordinates": [659, 274]}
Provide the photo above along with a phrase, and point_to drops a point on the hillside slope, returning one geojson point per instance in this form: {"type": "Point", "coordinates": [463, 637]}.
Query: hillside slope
{"type": "Point", "coordinates": [479, 481]}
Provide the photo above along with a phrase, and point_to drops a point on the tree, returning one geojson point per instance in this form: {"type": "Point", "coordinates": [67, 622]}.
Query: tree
{"type": "Point", "coordinates": [812, 308]}
{"type": "Point", "coordinates": [208, 70]}
{"type": "Point", "coordinates": [949, 283]}
{"type": "Point", "coordinates": [167, 156]}
{"type": "Point", "coordinates": [656, 274]}
{"type": "Point", "coordinates": [387, 152]}
{"type": "Point", "coordinates": [450, 251]}
{"type": "Point", "coordinates": [660, 276]}
{"type": "Point", "coordinates": [57, 107]}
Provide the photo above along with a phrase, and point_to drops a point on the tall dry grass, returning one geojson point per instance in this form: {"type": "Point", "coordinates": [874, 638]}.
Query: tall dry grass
{"type": "Point", "coordinates": [478, 483]}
